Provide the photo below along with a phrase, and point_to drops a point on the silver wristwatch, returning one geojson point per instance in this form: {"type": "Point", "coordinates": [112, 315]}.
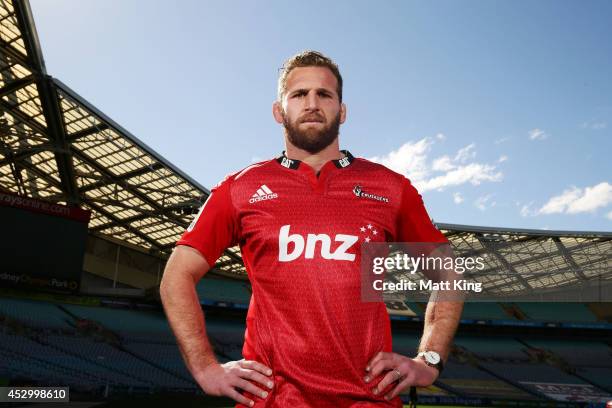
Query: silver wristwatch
{"type": "Point", "coordinates": [432, 359]}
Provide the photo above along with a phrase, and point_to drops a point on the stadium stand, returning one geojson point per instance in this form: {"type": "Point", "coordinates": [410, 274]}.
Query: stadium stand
{"type": "Point", "coordinates": [600, 376]}
{"type": "Point", "coordinates": [217, 290]}
{"type": "Point", "coordinates": [485, 311]}
{"type": "Point", "coordinates": [126, 323]}
{"type": "Point", "coordinates": [466, 380]}
{"type": "Point", "coordinates": [493, 348]}
{"type": "Point", "coordinates": [34, 314]}
{"type": "Point", "coordinates": [167, 356]}
{"type": "Point", "coordinates": [499, 367]}
{"type": "Point", "coordinates": [557, 312]}
{"type": "Point", "coordinates": [227, 338]}
{"type": "Point", "coordinates": [536, 372]}
{"type": "Point", "coordinates": [577, 352]}
{"type": "Point", "coordinates": [405, 343]}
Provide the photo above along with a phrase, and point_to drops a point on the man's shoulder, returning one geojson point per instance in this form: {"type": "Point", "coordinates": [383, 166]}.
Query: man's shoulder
{"type": "Point", "coordinates": [252, 170]}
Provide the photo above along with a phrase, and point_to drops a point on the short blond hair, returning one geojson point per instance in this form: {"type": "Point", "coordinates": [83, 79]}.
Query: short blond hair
{"type": "Point", "coordinates": [308, 58]}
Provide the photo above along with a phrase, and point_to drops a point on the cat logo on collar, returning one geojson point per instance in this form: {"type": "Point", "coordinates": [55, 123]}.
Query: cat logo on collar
{"type": "Point", "coordinates": [345, 161]}
{"type": "Point", "coordinates": [288, 163]}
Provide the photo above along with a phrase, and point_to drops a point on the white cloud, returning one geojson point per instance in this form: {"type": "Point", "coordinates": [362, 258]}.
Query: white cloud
{"type": "Point", "coordinates": [559, 203]}
{"type": "Point", "coordinates": [466, 153]}
{"type": "Point", "coordinates": [609, 215]}
{"type": "Point", "coordinates": [502, 140]}
{"type": "Point", "coordinates": [441, 136]}
{"type": "Point", "coordinates": [443, 163]}
{"type": "Point", "coordinates": [576, 200]}
{"type": "Point", "coordinates": [502, 158]}
{"type": "Point", "coordinates": [599, 195]}
{"type": "Point", "coordinates": [411, 159]}
{"type": "Point", "coordinates": [457, 198]}
{"type": "Point", "coordinates": [527, 211]}
{"type": "Point", "coordinates": [473, 173]}
{"type": "Point", "coordinates": [594, 125]}
{"type": "Point", "coordinates": [484, 202]}
{"type": "Point", "coordinates": [537, 134]}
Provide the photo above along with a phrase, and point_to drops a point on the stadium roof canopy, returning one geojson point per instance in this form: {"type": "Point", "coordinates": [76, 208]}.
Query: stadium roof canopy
{"type": "Point", "coordinates": [56, 146]}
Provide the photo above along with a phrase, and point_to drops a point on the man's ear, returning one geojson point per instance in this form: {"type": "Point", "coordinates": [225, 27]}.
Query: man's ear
{"type": "Point", "coordinates": [342, 112]}
{"type": "Point", "coordinates": [277, 112]}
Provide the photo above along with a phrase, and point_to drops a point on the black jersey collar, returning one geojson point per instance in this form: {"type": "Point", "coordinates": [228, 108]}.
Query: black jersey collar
{"type": "Point", "coordinates": [295, 164]}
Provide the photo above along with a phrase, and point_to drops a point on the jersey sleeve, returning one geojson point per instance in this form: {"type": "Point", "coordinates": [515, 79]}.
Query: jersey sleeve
{"type": "Point", "coordinates": [413, 222]}
{"type": "Point", "coordinates": [215, 227]}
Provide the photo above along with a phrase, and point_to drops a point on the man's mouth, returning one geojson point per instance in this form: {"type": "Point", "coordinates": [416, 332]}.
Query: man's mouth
{"type": "Point", "coordinates": [312, 120]}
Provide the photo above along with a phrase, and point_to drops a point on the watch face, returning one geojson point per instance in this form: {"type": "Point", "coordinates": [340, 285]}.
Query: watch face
{"type": "Point", "coordinates": [432, 357]}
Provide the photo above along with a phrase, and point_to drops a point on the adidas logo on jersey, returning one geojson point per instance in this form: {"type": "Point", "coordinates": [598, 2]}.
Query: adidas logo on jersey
{"type": "Point", "coordinates": [307, 246]}
{"type": "Point", "coordinates": [263, 193]}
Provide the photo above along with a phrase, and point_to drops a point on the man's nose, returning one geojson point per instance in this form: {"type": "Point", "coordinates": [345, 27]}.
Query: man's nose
{"type": "Point", "coordinates": [312, 101]}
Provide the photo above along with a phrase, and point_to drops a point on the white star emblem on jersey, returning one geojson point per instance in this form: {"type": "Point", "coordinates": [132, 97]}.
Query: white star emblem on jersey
{"type": "Point", "coordinates": [362, 229]}
{"type": "Point", "coordinates": [367, 239]}
{"type": "Point", "coordinates": [374, 232]}
{"type": "Point", "coordinates": [369, 226]}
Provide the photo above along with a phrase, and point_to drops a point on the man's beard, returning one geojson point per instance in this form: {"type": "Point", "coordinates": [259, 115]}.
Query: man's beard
{"type": "Point", "coordinates": [312, 140]}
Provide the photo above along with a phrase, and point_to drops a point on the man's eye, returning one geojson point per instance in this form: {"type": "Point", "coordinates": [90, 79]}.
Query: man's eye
{"type": "Point", "coordinates": [324, 95]}
{"type": "Point", "coordinates": [299, 94]}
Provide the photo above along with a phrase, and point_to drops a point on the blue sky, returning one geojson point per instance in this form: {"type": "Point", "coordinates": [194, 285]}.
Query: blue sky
{"type": "Point", "coordinates": [500, 112]}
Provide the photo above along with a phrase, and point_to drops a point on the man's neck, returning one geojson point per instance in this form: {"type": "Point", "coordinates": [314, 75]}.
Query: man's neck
{"type": "Point", "coordinates": [317, 160]}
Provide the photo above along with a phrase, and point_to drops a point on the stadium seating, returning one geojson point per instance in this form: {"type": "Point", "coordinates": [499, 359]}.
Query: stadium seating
{"type": "Point", "coordinates": [601, 376]}
{"type": "Point", "coordinates": [557, 312]}
{"type": "Point", "coordinates": [127, 323]}
{"type": "Point", "coordinates": [225, 290]}
{"type": "Point", "coordinates": [484, 311]}
{"type": "Point", "coordinates": [577, 352]}
{"type": "Point", "coordinates": [132, 370]}
{"type": "Point", "coordinates": [227, 338]}
{"type": "Point", "coordinates": [144, 355]}
{"type": "Point", "coordinates": [493, 348]}
{"type": "Point", "coordinates": [167, 356]}
{"type": "Point", "coordinates": [45, 361]}
{"type": "Point", "coordinates": [34, 313]}
{"type": "Point", "coordinates": [406, 344]}
{"type": "Point", "coordinates": [534, 372]}
{"type": "Point", "coordinates": [471, 381]}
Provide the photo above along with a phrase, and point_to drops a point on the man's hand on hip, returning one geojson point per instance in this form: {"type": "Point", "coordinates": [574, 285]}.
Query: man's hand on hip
{"type": "Point", "coordinates": [401, 370]}
{"type": "Point", "coordinates": [224, 380]}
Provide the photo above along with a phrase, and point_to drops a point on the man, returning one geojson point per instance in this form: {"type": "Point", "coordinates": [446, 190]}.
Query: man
{"type": "Point", "coordinates": [300, 220]}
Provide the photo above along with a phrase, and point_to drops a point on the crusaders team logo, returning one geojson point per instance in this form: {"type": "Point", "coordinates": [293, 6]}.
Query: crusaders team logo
{"type": "Point", "coordinates": [358, 191]}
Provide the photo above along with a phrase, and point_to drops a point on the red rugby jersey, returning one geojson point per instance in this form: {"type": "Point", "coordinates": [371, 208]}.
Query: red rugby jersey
{"type": "Point", "coordinates": [300, 237]}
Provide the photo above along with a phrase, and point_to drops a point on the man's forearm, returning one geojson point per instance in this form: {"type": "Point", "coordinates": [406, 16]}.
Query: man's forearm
{"type": "Point", "coordinates": [441, 321]}
{"type": "Point", "coordinates": [186, 319]}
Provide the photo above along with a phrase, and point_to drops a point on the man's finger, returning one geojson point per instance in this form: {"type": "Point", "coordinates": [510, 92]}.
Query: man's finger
{"type": "Point", "coordinates": [250, 387]}
{"type": "Point", "coordinates": [255, 376]}
{"type": "Point", "coordinates": [236, 396]}
{"type": "Point", "coordinates": [255, 365]}
{"type": "Point", "coordinates": [378, 368]}
{"type": "Point", "coordinates": [380, 355]}
{"type": "Point", "coordinates": [404, 384]}
{"type": "Point", "coordinates": [388, 379]}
